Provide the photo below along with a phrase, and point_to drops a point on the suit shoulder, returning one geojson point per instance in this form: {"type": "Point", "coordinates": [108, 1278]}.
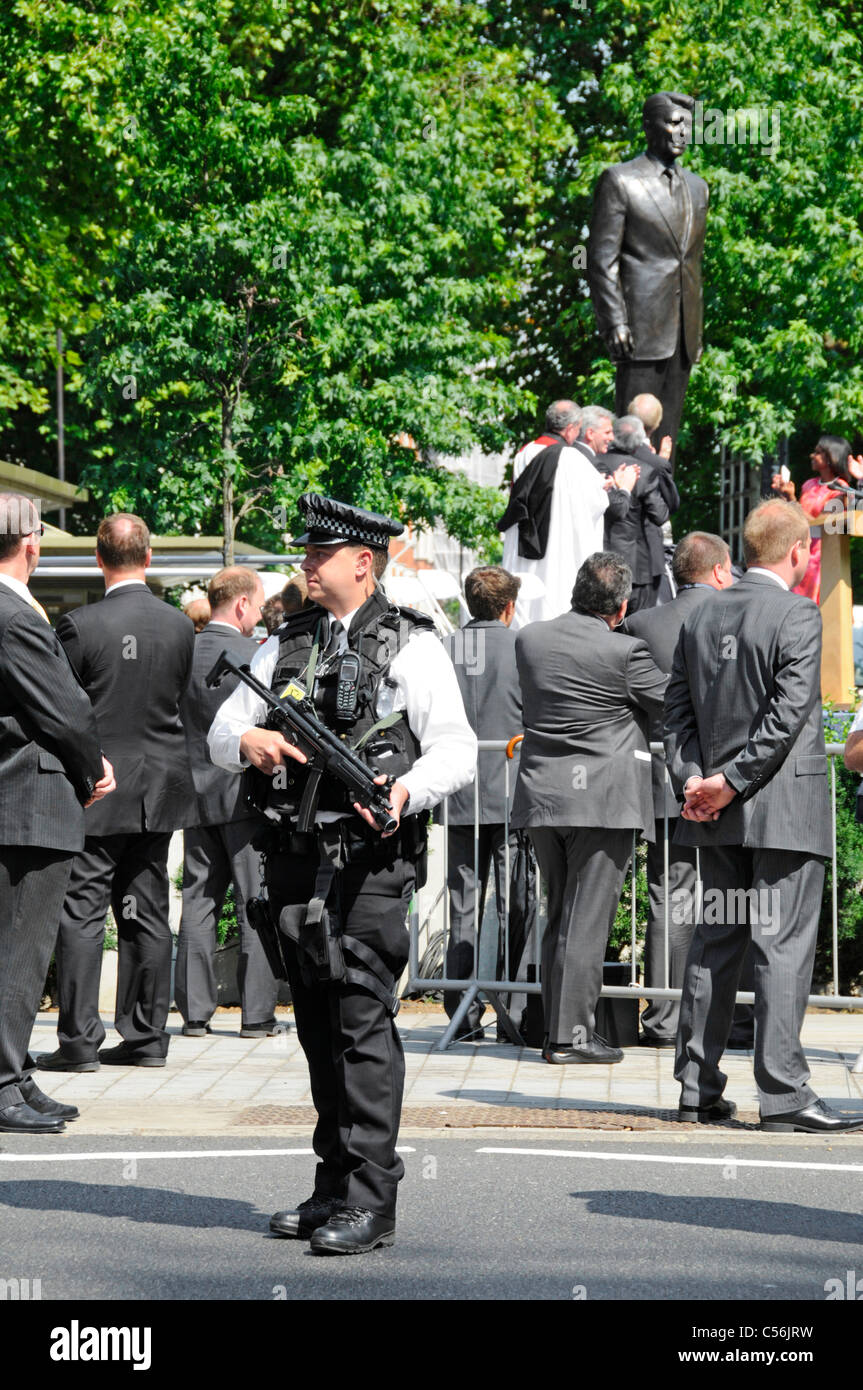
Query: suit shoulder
{"type": "Point", "coordinates": [695, 182]}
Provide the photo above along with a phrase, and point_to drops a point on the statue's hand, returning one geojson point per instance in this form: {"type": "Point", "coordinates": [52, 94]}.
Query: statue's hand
{"type": "Point", "coordinates": [620, 343]}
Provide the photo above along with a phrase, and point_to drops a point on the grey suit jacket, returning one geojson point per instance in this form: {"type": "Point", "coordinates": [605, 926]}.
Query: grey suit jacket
{"type": "Point", "coordinates": [132, 652]}
{"type": "Point", "coordinates": [483, 654]}
{"type": "Point", "coordinates": [49, 745]}
{"type": "Point", "coordinates": [217, 792]}
{"type": "Point", "coordinates": [643, 265]}
{"type": "Point", "coordinates": [637, 536]}
{"type": "Point", "coordinates": [660, 629]}
{"type": "Point", "coordinates": [745, 699]}
{"type": "Point", "coordinates": [587, 695]}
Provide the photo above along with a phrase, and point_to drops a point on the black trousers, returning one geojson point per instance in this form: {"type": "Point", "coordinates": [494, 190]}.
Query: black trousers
{"type": "Point", "coordinates": [583, 869]}
{"type": "Point", "coordinates": [463, 875]}
{"type": "Point", "coordinates": [129, 872]}
{"type": "Point", "coordinates": [214, 856]}
{"type": "Point", "coordinates": [32, 887]}
{"type": "Point", "coordinates": [666, 379]}
{"type": "Point", "coordinates": [352, 1046]}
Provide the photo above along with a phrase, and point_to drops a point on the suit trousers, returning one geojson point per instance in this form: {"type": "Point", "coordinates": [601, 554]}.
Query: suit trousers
{"type": "Point", "coordinates": [32, 887]}
{"type": "Point", "coordinates": [644, 595]}
{"type": "Point", "coordinates": [666, 379]}
{"type": "Point", "coordinates": [129, 872]}
{"type": "Point", "coordinates": [463, 875]}
{"type": "Point", "coordinates": [214, 856]}
{"type": "Point", "coordinates": [352, 1046]}
{"type": "Point", "coordinates": [583, 869]}
{"type": "Point", "coordinates": [772, 898]}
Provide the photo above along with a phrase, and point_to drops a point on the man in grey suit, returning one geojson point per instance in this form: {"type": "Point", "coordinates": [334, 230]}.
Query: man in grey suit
{"type": "Point", "coordinates": [745, 744]}
{"type": "Point", "coordinates": [644, 262]}
{"type": "Point", "coordinates": [702, 565]}
{"type": "Point", "coordinates": [218, 848]}
{"type": "Point", "coordinates": [483, 655]}
{"type": "Point", "coordinates": [583, 787]}
{"type": "Point", "coordinates": [51, 768]}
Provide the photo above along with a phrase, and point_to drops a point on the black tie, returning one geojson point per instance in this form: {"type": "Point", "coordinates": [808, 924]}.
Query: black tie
{"type": "Point", "coordinates": [332, 646]}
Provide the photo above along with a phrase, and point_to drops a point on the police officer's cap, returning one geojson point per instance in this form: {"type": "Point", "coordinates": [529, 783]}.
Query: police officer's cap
{"type": "Point", "coordinates": [336, 523]}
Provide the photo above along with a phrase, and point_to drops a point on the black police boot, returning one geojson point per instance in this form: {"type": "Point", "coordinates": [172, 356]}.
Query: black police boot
{"type": "Point", "coordinates": [353, 1231]}
{"type": "Point", "coordinates": [305, 1220]}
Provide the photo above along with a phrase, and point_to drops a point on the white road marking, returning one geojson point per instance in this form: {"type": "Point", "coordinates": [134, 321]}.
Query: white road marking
{"type": "Point", "coordinates": [673, 1158]}
{"type": "Point", "coordinates": [124, 1154]}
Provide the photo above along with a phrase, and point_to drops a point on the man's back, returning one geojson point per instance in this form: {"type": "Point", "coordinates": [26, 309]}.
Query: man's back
{"type": "Point", "coordinates": [587, 694]}
{"type": "Point", "coordinates": [133, 655]}
{"type": "Point", "coordinates": [483, 654]}
{"type": "Point", "coordinates": [745, 699]}
{"type": "Point", "coordinates": [218, 792]}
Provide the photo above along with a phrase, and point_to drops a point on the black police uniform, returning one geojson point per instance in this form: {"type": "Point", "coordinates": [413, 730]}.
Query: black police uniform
{"type": "Point", "coordinates": [357, 882]}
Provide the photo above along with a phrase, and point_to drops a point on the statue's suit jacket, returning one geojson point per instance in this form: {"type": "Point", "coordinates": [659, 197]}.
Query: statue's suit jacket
{"type": "Point", "coordinates": [587, 695]}
{"type": "Point", "coordinates": [643, 261]}
{"type": "Point", "coordinates": [745, 699]}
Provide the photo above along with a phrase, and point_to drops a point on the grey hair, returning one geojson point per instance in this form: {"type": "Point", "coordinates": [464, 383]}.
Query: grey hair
{"type": "Point", "coordinates": [629, 434]}
{"type": "Point", "coordinates": [19, 516]}
{"type": "Point", "coordinates": [602, 583]}
{"type": "Point", "coordinates": [560, 414]}
{"type": "Point", "coordinates": [591, 417]}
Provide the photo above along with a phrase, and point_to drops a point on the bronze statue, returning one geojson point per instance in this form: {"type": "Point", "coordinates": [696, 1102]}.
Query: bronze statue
{"type": "Point", "coordinates": [644, 263]}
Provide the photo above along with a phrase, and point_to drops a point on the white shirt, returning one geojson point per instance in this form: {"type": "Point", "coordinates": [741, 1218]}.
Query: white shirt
{"type": "Point", "coordinates": [121, 584]}
{"type": "Point", "coordinates": [17, 587]}
{"type": "Point", "coordinates": [575, 530]}
{"type": "Point", "coordinates": [422, 682]}
{"type": "Point", "coordinates": [757, 569]}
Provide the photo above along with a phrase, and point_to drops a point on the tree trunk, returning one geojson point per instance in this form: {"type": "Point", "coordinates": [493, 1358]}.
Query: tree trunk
{"type": "Point", "coordinates": [227, 493]}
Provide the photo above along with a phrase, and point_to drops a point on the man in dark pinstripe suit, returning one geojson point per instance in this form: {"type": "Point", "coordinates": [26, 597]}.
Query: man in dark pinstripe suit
{"type": "Point", "coordinates": [50, 769]}
{"type": "Point", "coordinates": [744, 738]}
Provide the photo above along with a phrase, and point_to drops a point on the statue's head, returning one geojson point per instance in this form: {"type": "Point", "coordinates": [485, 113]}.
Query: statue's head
{"type": "Point", "coordinates": [666, 119]}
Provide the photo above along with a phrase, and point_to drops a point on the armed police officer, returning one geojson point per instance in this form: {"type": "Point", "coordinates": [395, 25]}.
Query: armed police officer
{"type": "Point", "coordinates": [377, 676]}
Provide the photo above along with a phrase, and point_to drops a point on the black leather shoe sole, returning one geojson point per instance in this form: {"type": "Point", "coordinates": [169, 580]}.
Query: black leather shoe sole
{"type": "Point", "coordinates": [343, 1245]}
{"type": "Point", "coordinates": [665, 1043]}
{"type": "Point", "coordinates": [780, 1126]}
{"type": "Point", "coordinates": [708, 1115]}
{"type": "Point", "coordinates": [49, 1061]}
{"type": "Point", "coordinates": [575, 1058]}
{"type": "Point", "coordinates": [132, 1061]}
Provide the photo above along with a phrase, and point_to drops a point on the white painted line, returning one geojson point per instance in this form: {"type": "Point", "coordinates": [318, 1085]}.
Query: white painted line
{"type": "Point", "coordinates": [672, 1158]}
{"type": "Point", "coordinates": [123, 1154]}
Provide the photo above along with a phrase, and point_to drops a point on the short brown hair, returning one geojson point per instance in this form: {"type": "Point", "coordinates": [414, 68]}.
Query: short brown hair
{"type": "Point", "coordinates": [380, 559]}
{"type": "Point", "coordinates": [488, 590]}
{"type": "Point", "coordinates": [229, 584]}
{"type": "Point", "coordinates": [122, 541]}
{"type": "Point", "coordinates": [295, 593]}
{"type": "Point", "coordinates": [696, 555]}
{"type": "Point", "coordinates": [771, 529]}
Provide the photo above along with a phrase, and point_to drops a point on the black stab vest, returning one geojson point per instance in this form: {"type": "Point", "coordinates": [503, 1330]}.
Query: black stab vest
{"type": "Point", "coordinates": [378, 632]}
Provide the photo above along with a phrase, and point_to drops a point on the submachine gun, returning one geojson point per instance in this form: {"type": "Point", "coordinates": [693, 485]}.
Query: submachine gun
{"type": "Point", "coordinates": [293, 715]}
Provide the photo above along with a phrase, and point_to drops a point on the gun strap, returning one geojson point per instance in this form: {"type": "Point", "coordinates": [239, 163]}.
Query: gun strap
{"type": "Point", "coordinates": [385, 723]}
{"type": "Point", "coordinates": [376, 978]}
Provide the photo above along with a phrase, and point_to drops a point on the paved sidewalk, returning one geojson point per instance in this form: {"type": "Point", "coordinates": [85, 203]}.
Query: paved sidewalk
{"type": "Point", "coordinates": [224, 1084]}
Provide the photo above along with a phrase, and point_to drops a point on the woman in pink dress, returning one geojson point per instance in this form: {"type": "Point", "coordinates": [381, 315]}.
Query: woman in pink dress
{"type": "Point", "coordinates": [837, 473]}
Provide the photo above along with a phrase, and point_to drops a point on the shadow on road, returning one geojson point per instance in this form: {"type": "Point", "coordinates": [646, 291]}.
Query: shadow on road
{"type": "Point", "coordinates": [728, 1214]}
{"type": "Point", "coordinates": [154, 1205]}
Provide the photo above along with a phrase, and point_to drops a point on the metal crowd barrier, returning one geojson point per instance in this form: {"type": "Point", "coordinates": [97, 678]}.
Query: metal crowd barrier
{"type": "Point", "coordinates": [493, 989]}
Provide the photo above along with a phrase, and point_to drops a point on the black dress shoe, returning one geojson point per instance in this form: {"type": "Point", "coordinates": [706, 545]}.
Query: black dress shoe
{"type": "Point", "coordinates": [193, 1029]}
{"type": "Point", "coordinates": [816, 1118]}
{"type": "Point", "coordinates": [23, 1119]}
{"type": "Point", "coordinates": [58, 1061]}
{"type": "Point", "coordinates": [44, 1105]}
{"type": "Point", "coordinates": [263, 1030]}
{"type": "Point", "coordinates": [305, 1220]}
{"type": "Point", "coordinates": [708, 1114]}
{"type": "Point", "coordinates": [647, 1040]}
{"type": "Point", "coordinates": [596, 1050]}
{"type": "Point", "coordinates": [125, 1056]}
{"type": "Point", "coordinates": [353, 1231]}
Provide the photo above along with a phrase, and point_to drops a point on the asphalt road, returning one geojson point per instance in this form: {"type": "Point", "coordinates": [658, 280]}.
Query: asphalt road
{"type": "Point", "coordinates": [500, 1216]}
